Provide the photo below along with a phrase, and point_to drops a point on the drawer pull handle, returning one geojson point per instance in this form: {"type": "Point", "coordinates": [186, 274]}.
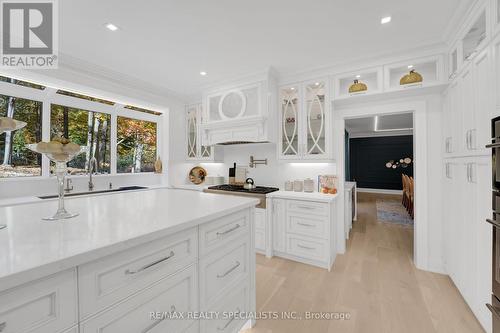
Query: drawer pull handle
{"type": "Point", "coordinates": [3, 326]}
{"type": "Point", "coordinates": [493, 310]}
{"type": "Point", "coordinates": [228, 230]}
{"type": "Point", "coordinates": [305, 207]}
{"type": "Point", "coordinates": [143, 268]}
{"type": "Point", "coordinates": [228, 323]}
{"type": "Point", "coordinates": [493, 222]}
{"type": "Point", "coordinates": [306, 247]}
{"type": "Point", "coordinates": [229, 270]}
{"type": "Point", "coordinates": [156, 323]}
{"type": "Point", "coordinates": [306, 224]}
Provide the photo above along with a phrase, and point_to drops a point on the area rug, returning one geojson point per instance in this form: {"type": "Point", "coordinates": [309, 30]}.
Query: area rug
{"type": "Point", "coordinates": [393, 211]}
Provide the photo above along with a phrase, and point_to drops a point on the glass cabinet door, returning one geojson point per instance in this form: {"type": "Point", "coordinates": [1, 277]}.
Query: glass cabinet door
{"type": "Point", "coordinates": [192, 132]}
{"type": "Point", "coordinates": [289, 98]}
{"type": "Point", "coordinates": [315, 115]}
{"type": "Point", "coordinates": [205, 151]}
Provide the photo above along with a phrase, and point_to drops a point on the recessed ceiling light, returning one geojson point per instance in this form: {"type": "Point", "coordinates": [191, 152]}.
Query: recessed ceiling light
{"type": "Point", "coordinates": [292, 88]}
{"type": "Point", "coordinates": [202, 73]}
{"type": "Point", "coordinates": [111, 26]}
{"type": "Point", "coordinates": [385, 20]}
{"type": "Point", "coordinates": [316, 84]}
{"type": "Point", "coordinates": [410, 66]}
{"type": "Point", "coordinates": [358, 76]}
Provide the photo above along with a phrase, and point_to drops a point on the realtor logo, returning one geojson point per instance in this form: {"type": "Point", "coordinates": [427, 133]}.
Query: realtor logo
{"type": "Point", "coordinates": [29, 34]}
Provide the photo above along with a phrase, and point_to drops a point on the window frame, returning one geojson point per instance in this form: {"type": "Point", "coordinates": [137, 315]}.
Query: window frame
{"type": "Point", "coordinates": [49, 96]}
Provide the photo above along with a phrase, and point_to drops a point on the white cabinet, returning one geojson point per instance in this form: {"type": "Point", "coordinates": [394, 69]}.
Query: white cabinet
{"type": "Point", "coordinates": [146, 288]}
{"type": "Point", "coordinates": [241, 111]}
{"type": "Point", "coordinates": [371, 78]}
{"type": "Point", "coordinates": [305, 121]}
{"type": "Point", "coordinates": [195, 150]}
{"type": "Point", "coordinates": [467, 244]}
{"type": "Point", "coordinates": [468, 107]}
{"type": "Point", "coordinates": [261, 232]}
{"type": "Point", "coordinates": [45, 306]}
{"type": "Point", "coordinates": [303, 230]}
{"type": "Point", "coordinates": [430, 68]}
{"type": "Point", "coordinates": [175, 294]}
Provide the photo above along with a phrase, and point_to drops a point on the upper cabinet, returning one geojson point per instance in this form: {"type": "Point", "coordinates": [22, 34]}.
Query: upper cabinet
{"type": "Point", "coordinates": [195, 150]}
{"type": "Point", "coordinates": [475, 36]}
{"type": "Point", "coordinates": [414, 73]}
{"type": "Point", "coordinates": [239, 112]}
{"type": "Point", "coordinates": [305, 121]}
{"type": "Point", "coordinates": [362, 82]}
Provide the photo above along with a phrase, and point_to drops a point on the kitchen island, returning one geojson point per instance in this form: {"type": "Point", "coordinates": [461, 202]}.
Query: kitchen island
{"type": "Point", "coordinates": [126, 257]}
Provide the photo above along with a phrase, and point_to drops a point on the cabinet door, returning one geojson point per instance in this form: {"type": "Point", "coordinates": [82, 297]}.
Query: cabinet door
{"type": "Point", "coordinates": [316, 115]}
{"type": "Point", "coordinates": [447, 130]}
{"type": "Point", "coordinates": [290, 122]}
{"type": "Point", "coordinates": [480, 135]}
{"type": "Point", "coordinates": [192, 132]}
{"type": "Point", "coordinates": [205, 151]}
{"type": "Point", "coordinates": [468, 233]}
{"type": "Point", "coordinates": [278, 225]}
{"type": "Point", "coordinates": [466, 107]}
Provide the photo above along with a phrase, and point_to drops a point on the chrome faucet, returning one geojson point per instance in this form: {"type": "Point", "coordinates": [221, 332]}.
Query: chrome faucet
{"type": "Point", "coordinates": [92, 168]}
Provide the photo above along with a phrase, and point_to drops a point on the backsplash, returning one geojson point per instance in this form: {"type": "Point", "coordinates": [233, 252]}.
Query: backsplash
{"type": "Point", "coordinates": [275, 173]}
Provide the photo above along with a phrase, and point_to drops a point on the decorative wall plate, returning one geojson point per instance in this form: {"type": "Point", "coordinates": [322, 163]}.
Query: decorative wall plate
{"type": "Point", "coordinates": [412, 77]}
{"type": "Point", "coordinates": [197, 175]}
{"type": "Point", "coordinates": [357, 87]}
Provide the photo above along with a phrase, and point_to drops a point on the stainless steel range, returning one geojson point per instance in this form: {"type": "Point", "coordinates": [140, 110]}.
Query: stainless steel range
{"type": "Point", "coordinates": [258, 192]}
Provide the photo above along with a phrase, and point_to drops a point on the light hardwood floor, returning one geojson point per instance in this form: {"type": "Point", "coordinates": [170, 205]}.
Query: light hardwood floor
{"type": "Point", "coordinates": [375, 282]}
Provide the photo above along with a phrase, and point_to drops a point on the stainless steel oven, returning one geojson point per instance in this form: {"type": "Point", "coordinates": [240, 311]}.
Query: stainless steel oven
{"type": "Point", "coordinates": [495, 222]}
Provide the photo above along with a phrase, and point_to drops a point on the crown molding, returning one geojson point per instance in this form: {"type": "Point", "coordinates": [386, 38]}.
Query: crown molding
{"type": "Point", "coordinates": [83, 67]}
{"type": "Point", "coordinates": [355, 64]}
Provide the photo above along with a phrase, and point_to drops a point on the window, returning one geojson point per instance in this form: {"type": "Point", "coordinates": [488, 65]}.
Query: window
{"type": "Point", "coordinates": [136, 145]}
{"type": "Point", "coordinates": [85, 97]}
{"type": "Point", "coordinates": [16, 160]}
{"type": "Point", "coordinates": [86, 128]}
{"type": "Point", "coordinates": [21, 83]}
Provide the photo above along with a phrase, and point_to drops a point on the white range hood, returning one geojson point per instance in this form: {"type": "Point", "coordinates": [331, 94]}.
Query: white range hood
{"type": "Point", "coordinates": [240, 112]}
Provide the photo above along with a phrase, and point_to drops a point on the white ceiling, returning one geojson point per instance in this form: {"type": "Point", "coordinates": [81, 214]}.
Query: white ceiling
{"type": "Point", "coordinates": [386, 125]}
{"type": "Point", "coordinates": [168, 42]}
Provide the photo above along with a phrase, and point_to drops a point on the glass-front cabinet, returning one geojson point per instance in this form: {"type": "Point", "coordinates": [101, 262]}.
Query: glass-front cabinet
{"type": "Point", "coordinates": [304, 121]}
{"type": "Point", "coordinates": [194, 149]}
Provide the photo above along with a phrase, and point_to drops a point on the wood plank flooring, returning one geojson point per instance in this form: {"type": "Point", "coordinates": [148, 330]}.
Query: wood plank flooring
{"type": "Point", "coordinates": [375, 282]}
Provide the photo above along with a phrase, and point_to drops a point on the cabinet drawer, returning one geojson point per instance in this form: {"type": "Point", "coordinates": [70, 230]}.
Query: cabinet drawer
{"type": "Point", "coordinates": [43, 306]}
{"type": "Point", "coordinates": [306, 247]}
{"type": "Point", "coordinates": [232, 310]}
{"type": "Point", "coordinates": [260, 240]}
{"type": "Point", "coordinates": [223, 270]}
{"type": "Point", "coordinates": [116, 277]}
{"type": "Point", "coordinates": [307, 207]}
{"type": "Point", "coordinates": [308, 225]}
{"type": "Point", "coordinates": [176, 294]}
{"type": "Point", "coordinates": [223, 231]}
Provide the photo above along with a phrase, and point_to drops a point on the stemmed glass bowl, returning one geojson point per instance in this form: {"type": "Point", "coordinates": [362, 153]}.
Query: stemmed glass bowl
{"type": "Point", "coordinates": [60, 154]}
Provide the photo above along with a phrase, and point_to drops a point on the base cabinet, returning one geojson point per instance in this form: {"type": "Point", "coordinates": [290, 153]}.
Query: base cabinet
{"type": "Point", "coordinates": [467, 199]}
{"type": "Point", "coordinates": [156, 287]}
{"type": "Point", "coordinates": [303, 230]}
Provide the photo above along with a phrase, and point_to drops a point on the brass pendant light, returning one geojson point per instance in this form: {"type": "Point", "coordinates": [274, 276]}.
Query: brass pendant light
{"type": "Point", "coordinates": [412, 77]}
{"type": "Point", "coordinates": [357, 87]}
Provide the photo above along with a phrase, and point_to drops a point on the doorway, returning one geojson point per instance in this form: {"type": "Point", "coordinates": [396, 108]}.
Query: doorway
{"type": "Point", "coordinates": [379, 160]}
{"type": "Point", "coordinates": [418, 112]}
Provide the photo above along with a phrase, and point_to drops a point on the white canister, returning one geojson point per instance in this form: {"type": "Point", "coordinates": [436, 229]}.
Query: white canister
{"type": "Point", "coordinates": [298, 185]}
{"type": "Point", "coordinates": [288, 185]}
{"type": "Point", "coordinates": [309, 185]}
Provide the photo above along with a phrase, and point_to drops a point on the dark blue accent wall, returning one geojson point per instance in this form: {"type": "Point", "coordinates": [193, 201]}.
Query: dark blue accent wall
{"type": "Point", "coordinates": [368, 157]}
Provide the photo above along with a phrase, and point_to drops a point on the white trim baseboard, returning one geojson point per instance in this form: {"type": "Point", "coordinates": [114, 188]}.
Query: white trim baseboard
{"type": "Point", "coordinates": [381, 191]}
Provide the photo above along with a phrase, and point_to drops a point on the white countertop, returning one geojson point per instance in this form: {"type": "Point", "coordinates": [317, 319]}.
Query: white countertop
{"type": "Point", "coordinates": [314, 196]}
{"type": "Point", "coordinates": [31, 248]}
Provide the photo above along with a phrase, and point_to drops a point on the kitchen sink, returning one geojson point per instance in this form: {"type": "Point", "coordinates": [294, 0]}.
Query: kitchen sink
{"type": "Point", "coordinates": [120, 189]}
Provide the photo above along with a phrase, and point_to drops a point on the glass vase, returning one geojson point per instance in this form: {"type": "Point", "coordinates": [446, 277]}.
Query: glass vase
{"type": "Point", "coordinates": [62, 213]}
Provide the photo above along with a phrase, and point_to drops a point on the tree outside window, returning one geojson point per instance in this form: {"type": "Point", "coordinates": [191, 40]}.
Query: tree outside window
{"type": "Point", "coordinates": [16, 160]}
{"type": "Point", "coordinates": [85, 128]}
{"type": "Point", "coordinates": [136, 145]}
